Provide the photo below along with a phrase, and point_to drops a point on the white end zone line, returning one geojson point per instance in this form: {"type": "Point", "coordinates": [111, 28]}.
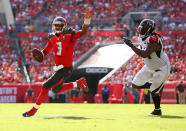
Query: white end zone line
{"type": "Point", "coordinates": [10, 116]}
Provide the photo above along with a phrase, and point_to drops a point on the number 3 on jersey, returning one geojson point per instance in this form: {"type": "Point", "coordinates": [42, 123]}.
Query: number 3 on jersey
{"type": "Point", "coordinates": [59, 47]}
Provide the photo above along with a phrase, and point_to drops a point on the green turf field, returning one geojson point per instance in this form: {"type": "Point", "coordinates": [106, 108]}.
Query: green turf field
{"type": "Point", "coordinates": [92, 117]}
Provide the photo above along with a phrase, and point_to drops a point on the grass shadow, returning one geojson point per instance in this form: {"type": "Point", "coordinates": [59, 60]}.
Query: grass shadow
{"type": "Point", "coordinates": [65, 117]}
{"type": "Point", "coordinates": [69, 117]}
{"type": "Point", "coordinates": [172, 117]}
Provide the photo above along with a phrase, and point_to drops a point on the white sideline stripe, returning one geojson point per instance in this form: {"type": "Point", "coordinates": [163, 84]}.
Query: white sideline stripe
{"type": "Point", "coordinates": [168, 100]}
{"type": "Point", "coordinates": [11, 116]}
{"type": "Point", "coordinates": [168, 90]}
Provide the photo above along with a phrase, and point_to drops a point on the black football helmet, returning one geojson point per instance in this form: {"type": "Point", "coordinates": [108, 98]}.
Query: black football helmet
{"type": "Point", "coordinates": [146, 28]}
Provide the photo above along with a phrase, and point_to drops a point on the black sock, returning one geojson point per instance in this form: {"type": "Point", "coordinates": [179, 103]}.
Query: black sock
{"type": "Point", "coordinates": [156, 100]}
{"type": "Point", "coordinates": [146, 85]}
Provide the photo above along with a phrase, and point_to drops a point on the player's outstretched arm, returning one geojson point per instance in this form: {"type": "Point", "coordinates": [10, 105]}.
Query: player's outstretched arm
{"type": "Point", "coordinates": [142, 53]}
{"type": "Point", "coordinates": [86, 22]}
{"type": "Point", "coordinates": [48, 46]}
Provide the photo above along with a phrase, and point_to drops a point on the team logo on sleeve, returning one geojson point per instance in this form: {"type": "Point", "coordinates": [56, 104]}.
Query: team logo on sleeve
{"type": "Point", "coordinates": [153, 39]}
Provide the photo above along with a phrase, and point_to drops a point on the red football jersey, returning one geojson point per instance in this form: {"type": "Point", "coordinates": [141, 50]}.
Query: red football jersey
{"type": "Point", "coordinates": [63, 47]}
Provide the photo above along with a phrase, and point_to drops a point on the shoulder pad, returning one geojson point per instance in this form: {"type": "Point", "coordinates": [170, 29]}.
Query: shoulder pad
{"type": "Point", "coordinates": [50, 35]}
{"type": "Point", "coordinates": [153, 39]}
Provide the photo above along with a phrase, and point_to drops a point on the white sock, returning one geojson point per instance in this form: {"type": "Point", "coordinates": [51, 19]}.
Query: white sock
{"type": "Point", "coordinates": [75, 84]}
{"type": "Point", "coordinates": [36, 106]}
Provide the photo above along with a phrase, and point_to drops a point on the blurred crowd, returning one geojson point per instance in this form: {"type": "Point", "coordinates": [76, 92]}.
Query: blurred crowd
{"type": "Point", "coordinates": [105, 13]}
{"type": "Point", "coordinates": [26, 9]}
{"type": "Point", "coordinates": [176, 49]}
{"type": "Point", "coordinates": [10, 71]}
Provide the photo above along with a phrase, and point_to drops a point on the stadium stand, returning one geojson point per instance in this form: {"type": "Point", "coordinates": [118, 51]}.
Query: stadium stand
{"type": "Point", "coordinates": [10, 71]}
{"type": "Point", "coordinates": [27, 9]}
{"type": "Point", "coordinates": [172, 19]}
{"type": "Point", "coordinates": [104, 13]}
{"type": "Point", "coordinates": [34, 16]}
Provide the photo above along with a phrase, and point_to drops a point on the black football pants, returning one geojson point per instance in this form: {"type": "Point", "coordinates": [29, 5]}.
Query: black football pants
{"type": "Point", "coordinates": [56, 80]}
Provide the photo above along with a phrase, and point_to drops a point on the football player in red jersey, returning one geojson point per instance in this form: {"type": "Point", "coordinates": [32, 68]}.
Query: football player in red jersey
{"type": "Point", "coordinates": [62, 41]}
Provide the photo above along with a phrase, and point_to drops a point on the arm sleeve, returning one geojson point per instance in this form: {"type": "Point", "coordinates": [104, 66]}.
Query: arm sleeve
{"type": "Point", "coordinates": [153, 39]}
{"type": "Point", "coordinates": [75, 36]}
{"type": "Point", "coordinates": [48, 47]}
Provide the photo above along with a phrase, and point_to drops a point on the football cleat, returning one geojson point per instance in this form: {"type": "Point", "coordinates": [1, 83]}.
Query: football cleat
{"type": "Point", "coordinates": [156, 112]}
{"type": "Point", "coordinates": [81, 83]}
{"type": "Point", "coordinates": [30, 112]}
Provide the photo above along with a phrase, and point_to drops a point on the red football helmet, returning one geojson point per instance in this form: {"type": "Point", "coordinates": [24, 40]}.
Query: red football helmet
{"type": "Point", "coordinates": [58, 24]}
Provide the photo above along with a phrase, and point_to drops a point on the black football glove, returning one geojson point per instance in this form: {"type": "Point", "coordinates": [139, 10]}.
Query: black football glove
{"type": "Point", "coordinates": [128, 42]}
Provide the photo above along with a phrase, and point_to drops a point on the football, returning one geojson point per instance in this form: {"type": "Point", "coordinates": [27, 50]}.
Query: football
{"type": "Point", "coordinates": [37, 55]}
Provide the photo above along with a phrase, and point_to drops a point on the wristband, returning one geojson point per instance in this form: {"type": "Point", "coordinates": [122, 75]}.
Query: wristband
{"type": "Point", "coordinates": [42, 51]}
{"type": "Point", "coordinates": [87, 21]}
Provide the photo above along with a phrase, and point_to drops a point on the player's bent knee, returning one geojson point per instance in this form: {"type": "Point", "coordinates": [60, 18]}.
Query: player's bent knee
{"type": "Point", "coordinates": [56, 89]}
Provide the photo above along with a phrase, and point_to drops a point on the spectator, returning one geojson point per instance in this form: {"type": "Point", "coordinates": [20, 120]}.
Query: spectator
{"type": "Point", "coordinates": [51, 96]}
{"type": "Point", "coordinates": [125, 98]}
{"type": "Point", "coordinates": [181, 94]}
{"type": "Point", "coordinates": [31, 28]}
{"type": "Point", "coordinates": [2, 28]}
{"type": "Point", "coordinates": [136, 95]}
{"type": "Point", "coordinates": [29, 95]}
{"type": "Point", "coordinates": [10, 29]}
{"type": "Point", "coordinates": [177, 96]}
{"type": "Point", "coordinates": [126, 29]}
{"type": "Point", "coordinates": [147, 96]}
{"type": "Point", "coordinates": [61, 97]}
{"type": "Point", "coordinates": [105, 94]}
